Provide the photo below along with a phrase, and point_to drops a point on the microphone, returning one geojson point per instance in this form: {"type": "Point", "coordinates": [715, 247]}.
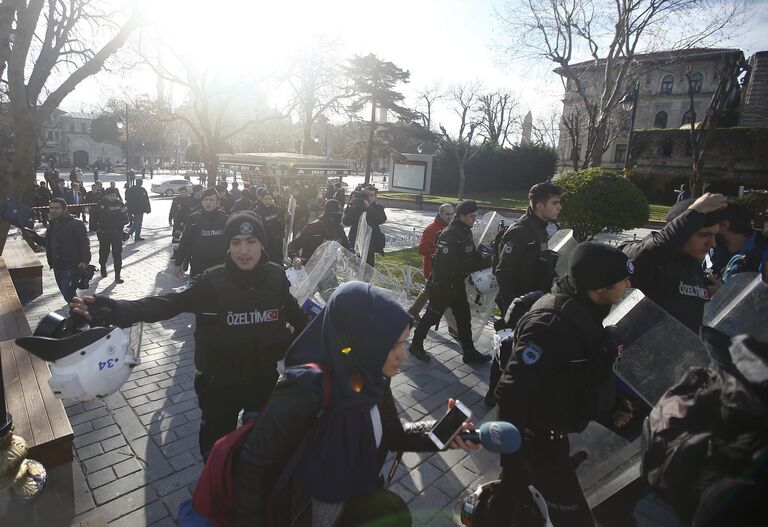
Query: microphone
{"type": "Point", "coordinates": [499, 437]}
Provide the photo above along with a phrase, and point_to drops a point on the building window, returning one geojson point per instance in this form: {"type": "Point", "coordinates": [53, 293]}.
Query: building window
{"type": "Point", "coordinates": [661, 120]}
{"type": "Point", "coordinates": [56, 135]}
{"type": "Point", "coordinates": [50, 135]}
{"type": "Point", "coordinates": [686, 118]}
{"type": "Point", "coordinates": [619, 153]}
{"type": "Point", "coordinates": [695, 82]}
{"type": "Point", "coordinates": [666, 84]}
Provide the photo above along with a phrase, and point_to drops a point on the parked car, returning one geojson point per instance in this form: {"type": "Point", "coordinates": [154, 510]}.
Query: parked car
{"type": "Point", "coordinates": [119, 168]}
{"type": "Point", "coordinates": [171, 187]}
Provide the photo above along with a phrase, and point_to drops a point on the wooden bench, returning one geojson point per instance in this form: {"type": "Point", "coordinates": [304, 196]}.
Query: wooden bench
{"type": "Point", "coordinates": [25, 269]}
{"type": "Point", "coordinates": [13, 322]}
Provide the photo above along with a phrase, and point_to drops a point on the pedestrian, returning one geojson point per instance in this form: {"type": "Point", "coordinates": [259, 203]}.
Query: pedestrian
{"type": "Point", "coordinates": [427, 248]}
{"type": "Point", "coordinates": [668, 262]}
{"type": "Point", "coordinates": [42, 197]}
{"type": "Point", "coordinates": [95, 195]}
{"type": "Point", "coordinates": [236, 193]}
{"type": "Point", "coordinates": [339, 194]}
{"type": "Point", "coordinates": [130, 177]}
{"type": "Point", "coordinates": [112, 185]}
{"type": "Point", "coordinates": [225, 199]}
{"type": "Point", "coordinates": [197, 199]}
{"type": "Point", "coordinates": [137, 200]}
{"type": "Point", "coordinates": [203, 244]}
{"type": "Point", "coordinates": [67, 247]}
{"type": "Point", "coordinates": [73, 176]}
{"type": "Point", "coordinates": [244, 313]}
{"type": "Point", "coordinates": [75, 198]}
{"type": "Point", "coordinates": [455, 259]}
{"type": "Point", "coordinates": [375, 217]}
{"type": "Point", "coordinates": [524, 262]}
{"type": "Point", "coordinates": [558, 379]}
{"type": "Point", "coordinates": [60, 190]}
{"type": "Point", "coordinates": [357, 206]}
{"type": "Point", "coordinates": [95, 173]}
{"type": "Point", "coordinates": [177, 217]}
{"type": "Point", "coordinates": [747, 248]}
{"type": "Point", "coordinates": [339, 461]}
{"type": "Point", "coordinates": [682, 194]}
{"type": "Point", "coordinates": [112, 216]}
{"type": "Point", "coordinates": [326, 228]}
{"type": "Point", "coordinates": [274, 226]}
{"type": "Point", "coordinates": [246, 201]}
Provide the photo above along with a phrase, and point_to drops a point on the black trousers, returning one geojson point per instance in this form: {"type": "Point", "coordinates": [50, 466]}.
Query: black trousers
{"type": "Point", "coordinates": [554, 476]}
{"type": "Point", "coordinates": [221, 402]}
{"type": "Point", "coordinates": [454, 297]}
{"type": "Point", "coordinates": [111, 241]}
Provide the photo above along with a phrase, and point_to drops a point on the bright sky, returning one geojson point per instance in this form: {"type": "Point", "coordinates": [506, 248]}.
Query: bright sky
{"type": "Point", "coordinates": [438, 41]}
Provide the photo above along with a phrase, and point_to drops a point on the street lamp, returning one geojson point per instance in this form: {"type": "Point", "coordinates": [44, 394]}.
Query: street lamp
{"type": "Point", "coordinates": [629, 102]}
{"type": "Point", "coordinates": [122, 123]}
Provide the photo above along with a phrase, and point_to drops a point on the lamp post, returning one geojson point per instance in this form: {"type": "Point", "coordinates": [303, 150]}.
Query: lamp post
{"type": "Point", "coordinates": [122, 122]}
{"type": "Point", "coordinates": [629, 102]}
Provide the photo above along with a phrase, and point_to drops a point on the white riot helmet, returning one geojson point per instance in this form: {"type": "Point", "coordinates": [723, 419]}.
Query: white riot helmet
{"type": "Point", "coordinates": [85, 365]}
{"type": "Point", "coordinates": [499, 338]}
{"type": "Point", "coordinates": [484, 281]}
{"type": "Point", "coordinates": [474, 511]}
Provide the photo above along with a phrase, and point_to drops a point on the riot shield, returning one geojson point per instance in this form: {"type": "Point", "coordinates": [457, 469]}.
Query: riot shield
{"type": "Point", "coordinates": [480, 310]}
{"type": "Point", "coordinates": [484, 229]}
{"type": "Point", "coordinates": [562, 243]}
{"type": "Point", "coordinates": [740, 307]}
{"type": "Point", "coordinates": [289, 219]}
{"type": "Point", "coordinates": [363, 242]}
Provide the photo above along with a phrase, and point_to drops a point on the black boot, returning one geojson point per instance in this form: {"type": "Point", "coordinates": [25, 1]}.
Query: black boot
{"type": "Point", "coordinates": [103, 271]}
{"type": "Point", "coordinates": [472, 356]}
{"type": "Point", "coordinates": [418, 351]}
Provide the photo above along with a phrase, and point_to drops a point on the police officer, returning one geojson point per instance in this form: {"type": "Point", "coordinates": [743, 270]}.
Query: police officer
{"type": "Point", "coordinates": [112, 215]}
{"type": "Point", "coordinates": [243, 311]}
{"type": "Point", "coordinates": [524, 263]}
{"type": "Point", "coordinates": [746, 249]}
{"type": "Point", "coordinates": [203, 244]}
{"type": "Point", "coordinates": [455, 259]}
{"type": "Point", "coordinates": [668, 262]}
{"type": "Point", "coordinates": [326, 228]}
{"type": "Point", "coordinates": [274, 225]}
{"type": "Point", "coordinates": [196, 201]}
{"type": "Point", "coordinates": [180, 207]}
{"type": "Point", "coordinates": [560, 377]}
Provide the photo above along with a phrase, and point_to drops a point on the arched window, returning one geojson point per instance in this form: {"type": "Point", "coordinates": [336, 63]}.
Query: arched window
{"type": "Point", "coordinates": [661, 120]}
{"type": "Point", "coordinates": [695, 82]}
{"type": "Point", "coordinates": [686, 118]}
{"type": "Point", "coordinates": [666, 84]}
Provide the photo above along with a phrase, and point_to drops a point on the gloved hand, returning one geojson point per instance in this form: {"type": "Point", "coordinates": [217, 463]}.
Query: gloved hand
{"type": "Point", "coordinates": [97, 310]}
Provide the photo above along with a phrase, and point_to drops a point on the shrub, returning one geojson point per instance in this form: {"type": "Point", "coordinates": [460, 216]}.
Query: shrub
{"type": "Point", "coordinates": [596, 200]}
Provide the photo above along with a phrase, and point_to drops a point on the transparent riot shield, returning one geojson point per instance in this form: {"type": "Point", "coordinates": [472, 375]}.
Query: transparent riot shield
{"type": "Point", "coordinates": [480, 310]}
{"type": "Point", "coordinates": [562, 243]}
{"type": "Point", "coordinates": [740, 307]}
{"type": "Point", "coordinates": [289, 219]}
{"type": "Point", "coordinates": [657, 351]}
{"type": "Point", "coordinates": [484, 230]}
{"type": "Point", "coordinates": [363, 241]}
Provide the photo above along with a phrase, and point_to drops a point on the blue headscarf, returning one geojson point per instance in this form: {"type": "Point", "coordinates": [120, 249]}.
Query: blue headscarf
{"type": "Point", "coordinates": [351, 337]}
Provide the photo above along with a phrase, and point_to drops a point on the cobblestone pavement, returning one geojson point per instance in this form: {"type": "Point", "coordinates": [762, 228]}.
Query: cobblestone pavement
{"type": "Point", "coordinates": [137, 449]}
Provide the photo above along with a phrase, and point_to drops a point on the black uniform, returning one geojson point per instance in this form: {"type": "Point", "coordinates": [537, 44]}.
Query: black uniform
{"type": "Point", "coordinates": [241, 333]}
{"type": "Point", "coordinates": [559, 377]}
{"type": "Point", "coordinates": [93, 196]}
{"type": "Point", "coordinates": [111, 218]}
{"type": "Point", "coordinates": [456, 257]}
{"type": "Point", "coordinates": [180, 210]}
{"type": "Point", "coordinates": [203, 244]}
{"type": "Point", "coordinates": [274, 225]}
{"type": "Point", "coordinates": [668, 276]}
{"type": "Point", "coordinates": [525, 263]}
{"type": "Point", "coordinates": [314, 234]}
{"type": "Point", "coordinates": [242, 204]}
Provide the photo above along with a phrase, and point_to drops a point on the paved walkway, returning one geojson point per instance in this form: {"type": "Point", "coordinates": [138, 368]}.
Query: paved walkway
{"type": "Point", "coordinates": [136, 451]}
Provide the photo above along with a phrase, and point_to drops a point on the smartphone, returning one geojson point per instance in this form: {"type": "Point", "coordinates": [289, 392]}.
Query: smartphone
{"type": "Point", "coordinates": [450, 425]}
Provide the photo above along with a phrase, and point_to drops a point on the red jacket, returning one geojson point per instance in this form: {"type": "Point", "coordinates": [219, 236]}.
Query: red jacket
{"type": "Point", "coordinates": [428, 243]}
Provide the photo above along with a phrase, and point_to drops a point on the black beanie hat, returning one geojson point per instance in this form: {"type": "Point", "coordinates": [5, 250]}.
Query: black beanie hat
{"type": "Point", "coordinates": [712, 218]}
{"type": "Point", "coordinates": [246, 223]}
{"type": "Point", "coordinates": [211, 192]}
{"type": "Point", "coordinates": [332, 207]}
{"type": "Point", "coordinates": [594, 265]}
{"type": "Point", "coordinates": [466, 207]}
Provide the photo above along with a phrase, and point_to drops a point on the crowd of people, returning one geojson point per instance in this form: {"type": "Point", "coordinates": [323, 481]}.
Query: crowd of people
{"type": "Point", "coordinates": [327, 424]}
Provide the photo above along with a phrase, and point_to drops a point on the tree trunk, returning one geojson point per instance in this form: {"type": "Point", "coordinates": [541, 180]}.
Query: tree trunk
{"type": "Point", "coordinates": [17, 179]}
{"type": "Point", "coordinates": [369, 150]}
{"type": "Point", "coordinates": [462, 177]}
{"type": "Point", "coordinates": [306, 142]}
{"type": "Point", "coordinates": [212, 168]}
{"type": "Point", "coordinates": [596, 155]}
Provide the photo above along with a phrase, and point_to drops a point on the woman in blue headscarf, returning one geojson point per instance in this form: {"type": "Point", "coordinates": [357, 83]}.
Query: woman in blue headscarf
{"type": "Point", "coordinates": [328, 430]}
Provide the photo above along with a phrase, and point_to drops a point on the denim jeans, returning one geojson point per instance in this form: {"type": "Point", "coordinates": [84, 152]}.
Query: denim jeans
{"type": "Point", "coordinates": [66, 280]}
{"type": "Point", "coordinates": [136, 222]}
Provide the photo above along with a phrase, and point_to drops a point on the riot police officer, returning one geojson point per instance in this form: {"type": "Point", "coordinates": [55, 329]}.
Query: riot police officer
{"type": "Point", "coordinates": [203, 244]}
{"type": "Point", "coordinates": [274, 225]}
{"type": "Point", "coordinates": [524, 264]}
{"type": "Point", "coordinates": [245, 320]}
{"type": "Point", "coordinates": [456, 257]}
{"type": "Point", "coordinates": [558, 378]}
{"type": "Point", "coordinates": [111, 217]}
{"type": "Point", "coordinates": [326, 228]}
{"type": "Point", "coordinates": [177, 217]}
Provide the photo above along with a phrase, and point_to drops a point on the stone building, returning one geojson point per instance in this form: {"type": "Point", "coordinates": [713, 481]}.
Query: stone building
{"type": "Point", "coordinates": [663, 100]}
{"type": "Point", "coordinates": [66, 136]}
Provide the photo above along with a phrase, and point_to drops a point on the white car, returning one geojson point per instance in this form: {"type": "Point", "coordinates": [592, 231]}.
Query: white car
{"type": "Point", "coordinates": [171, 187]}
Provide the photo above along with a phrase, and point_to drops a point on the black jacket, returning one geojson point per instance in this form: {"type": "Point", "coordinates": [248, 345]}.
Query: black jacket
{"type": "Point", "coordinates": [66, 243]}
{"type": "Point", "coordinates": [560, 374]}
{"type": "Point", "coordinates": [288, 416]}
{"type": "Point", "coordinates": [274, 226]}
{"type": "Point", "coordinates": [525, 264]}
{"type": "Point", "coordinates": [111, 217]}
{"type": "Point", "coordinates": [242, 204]}
{"type": "Point", "coordinates": [313, 235]}
{"type": "Point", "coordinates": [375, 217]}
{"type": "Point", "coordinates": [180, 209]}
{"type": "Point", "coordinates": [456, 256]}
{"type": "Point", "coordinates": [137, 199]}
{"type": "Point", "coordinates": [203, 241]}
{"type": "Point", "coordinates": [241, 321]}
{"type": "Point", "coordinates": [668, 276]}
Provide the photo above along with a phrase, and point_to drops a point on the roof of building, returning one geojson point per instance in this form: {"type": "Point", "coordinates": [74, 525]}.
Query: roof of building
{"type": "Point", "coordinates": [79, 115]}
{"type": "Point", "coordinates": [666, 56]}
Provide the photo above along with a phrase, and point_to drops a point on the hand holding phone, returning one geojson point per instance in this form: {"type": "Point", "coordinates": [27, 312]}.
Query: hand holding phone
{"type": "Point", "coordinates": [450, 425]}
